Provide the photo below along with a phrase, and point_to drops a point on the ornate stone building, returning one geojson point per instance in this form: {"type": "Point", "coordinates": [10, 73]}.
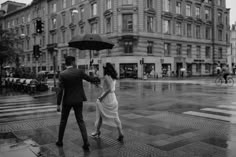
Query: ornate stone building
{"type": "Point", "coordinates": [151, 37]}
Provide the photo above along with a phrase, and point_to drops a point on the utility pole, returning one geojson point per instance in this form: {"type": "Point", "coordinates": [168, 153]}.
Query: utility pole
{"type": "Point", "coordinates": [213, 35]}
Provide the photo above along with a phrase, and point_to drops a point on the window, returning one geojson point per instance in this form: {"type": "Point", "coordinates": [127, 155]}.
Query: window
{"type": "Point", "coordinates": [166, 27]}
{"type": "Point", "coordinates": [198, 32]}
{"type": "Point", "coordinates": [94, 9]}
{"type": "Point", "coordinates": [220, 35]}
{"type": "Point", "coordinates": [63, 3]}
{"type": "Point", "coordinates": [207, 14]}
{"type": "Point", "coordinates": [150, 24]}
{"type": "Point", "coordinates": [189, 30]}
{"type": "Point", "coordinates": [219, 2]}
{"type": "Point", "coordinates": [54, 7]}
{"type": "Point", "coordinates": [178, 28]}
{"type": "Point", "coordinates": [149, 3]}
{"type": "Point", "coordinates": [108, 25]}
{"type": "Point", "coordinates": [128, 46]}
{"type": "Point", "coordinates": [81, 13]}
{"type": "Point", "coordinates": [63, 34]}
{"type": "Point", "coordinates": [82, 29]}
{"type": "Point", "coordinates": [72, 32]}
{"type": "Point", "coordinates": [28, 18]}
{"type": "Point", "coordinates": [27, 30]}
{"type": "Point", "coordinates": [207, 68]}
{"type": "Point", "coordinates": [128, 22]}
{"type": "Point", "coordinates": [198, 55]}
{"type": "Point", "coordinates": [72, 2]}
{"type": "Point", "coordinates": [189, 51]}
{"type": "Point", "coordinates": [166, 5]}
{"type": "Point", "coordinates": [188, 10]}
{"type": "Point", "coordinates": [208, 52]}
{"type": "Point", "coordinates": [54, 23]}
{"type": "Point", "coordinates": [220, 54]}
{"type": "Point", "coordinates": [166, 49]}
{"type": "Point", "coordinates": [108, 4]}
{"type": "Point", "coordinates": [127, 1]}
{"type": "Point", "coordinates": [197, 12]}
{"type": "Point", "coordinates": [198, 68]}
{"type": "Point", "coordinates": [208, 33]}
{"type": "Point", "coordinates": [178, 49]}
{"type": "Point", "coordinates": [150, 47]}
{"type": "Point", "coordinates": [27, 44]}
{"type": "Point", "coordinates": [94, 28]}
{"type": "Point", "coordinates": [63, 19]}
{"type": "Point", "coordinates": [72, 17]}
{"type": "Point", "coordinates": [178, 7]}
{"type": "Point", "coordinates": [220, 17]}
{"type": "Point", "coordinates": [28, 57]}
{"type": "Point", "coordinates": [23, 19]}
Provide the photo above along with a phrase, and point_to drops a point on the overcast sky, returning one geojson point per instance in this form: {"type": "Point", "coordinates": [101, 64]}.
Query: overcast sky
{"type": "Point", "coordinates": [229, 3]}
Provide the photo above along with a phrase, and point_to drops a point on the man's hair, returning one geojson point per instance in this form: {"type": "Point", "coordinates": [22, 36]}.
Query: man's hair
{"type": "Point", "coordinates": [69, 60]}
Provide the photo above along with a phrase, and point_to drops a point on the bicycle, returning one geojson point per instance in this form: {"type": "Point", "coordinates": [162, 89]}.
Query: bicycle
{"type": "Point", "coordinates": [220, 80]}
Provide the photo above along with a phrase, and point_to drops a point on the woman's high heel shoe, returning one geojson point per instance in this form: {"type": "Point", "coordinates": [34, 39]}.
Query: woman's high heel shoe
{"type": "Point", "coordinates": [96, 134]}
{"type": "Point", "coordinates": [121, 138]}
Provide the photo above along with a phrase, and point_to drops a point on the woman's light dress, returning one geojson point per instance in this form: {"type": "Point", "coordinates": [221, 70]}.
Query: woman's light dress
{"type": "Point", "coordinates": [108, 108]}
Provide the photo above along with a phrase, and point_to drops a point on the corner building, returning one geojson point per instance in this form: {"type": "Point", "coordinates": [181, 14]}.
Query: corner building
{"type": "Point", "coordinates": [152, 37]}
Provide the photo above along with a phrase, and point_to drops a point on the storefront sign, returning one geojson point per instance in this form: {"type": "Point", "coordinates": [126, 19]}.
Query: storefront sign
{"type": "Point", "coordinates": [199, 60]}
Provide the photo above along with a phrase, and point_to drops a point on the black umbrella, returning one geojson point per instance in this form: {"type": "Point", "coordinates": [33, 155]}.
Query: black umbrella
{"type": "Point", "coordinates": [91, 42]}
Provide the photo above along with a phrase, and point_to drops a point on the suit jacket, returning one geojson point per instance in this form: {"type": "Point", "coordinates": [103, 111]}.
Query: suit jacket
{"type": "Point", "coordinates": [71, 89]}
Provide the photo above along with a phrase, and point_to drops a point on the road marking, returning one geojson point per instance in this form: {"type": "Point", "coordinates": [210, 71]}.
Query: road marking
{"type": "Point", "coordinates": [27, 108]}
{"type": "Point", "coordinates": [227, 106]}
{"type": "Point", "coordinates": [12, 114]}
{"type": "Point", "coordinates": [24, 105]}
{"type": "Point", "coordinates": [219, 111]}
{"type": "Point", "coordinates": [212, 116]}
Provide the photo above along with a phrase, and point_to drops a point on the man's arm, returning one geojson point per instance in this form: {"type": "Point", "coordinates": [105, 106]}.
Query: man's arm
{"type": "Point", "coordinates": [94, 80]}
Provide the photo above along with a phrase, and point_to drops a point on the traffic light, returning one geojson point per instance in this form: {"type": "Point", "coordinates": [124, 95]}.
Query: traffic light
{"type": "Point", "coordinates": [36, 51]}
{"type": "Point", "coordinates": [39, 26]}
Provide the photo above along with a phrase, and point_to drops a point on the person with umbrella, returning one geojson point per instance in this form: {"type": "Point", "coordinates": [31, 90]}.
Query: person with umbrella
{"type": "Point", "coordinates": [107, 104]}
{"type": "Point", "coordinates": [71, 95]}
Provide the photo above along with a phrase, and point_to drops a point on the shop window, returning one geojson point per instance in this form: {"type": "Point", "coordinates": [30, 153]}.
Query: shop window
{"type": "Point", "coordinates": [128, 45]}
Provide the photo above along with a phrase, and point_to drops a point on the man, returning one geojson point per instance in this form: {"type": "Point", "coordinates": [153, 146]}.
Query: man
{"type": "Point", "coordinates": [225, 72]}
{"type": "Point", "coordinates": [71, 95]}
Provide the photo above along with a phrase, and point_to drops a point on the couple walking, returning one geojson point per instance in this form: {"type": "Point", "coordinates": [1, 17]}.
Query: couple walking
{"type": "Point", "coordinates": [71, 95]}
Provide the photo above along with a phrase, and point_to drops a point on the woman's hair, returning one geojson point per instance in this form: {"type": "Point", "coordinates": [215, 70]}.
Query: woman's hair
{"type": "Point", "coordinates": [110, 70]}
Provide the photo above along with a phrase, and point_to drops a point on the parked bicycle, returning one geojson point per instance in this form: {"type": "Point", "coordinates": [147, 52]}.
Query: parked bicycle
{"type": "Point", "coordinates": [220, 80]}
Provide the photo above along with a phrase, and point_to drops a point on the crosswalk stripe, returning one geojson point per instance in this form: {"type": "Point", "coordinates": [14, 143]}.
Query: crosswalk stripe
{"type": "Point", "coordinates": [234, 103]}
{"type": "Point", "coordinates": [27, 112]}
{"type": "Point", "coordinates": [227, 106]}
{"type": "Point", "coordinates": [27, 108]}
{"type": "Point", "coordinates": [212, 116]}
{"type": "Point", "coordinates": [219, 111]}
{"type": "Point", "coordinates": [24, 105]}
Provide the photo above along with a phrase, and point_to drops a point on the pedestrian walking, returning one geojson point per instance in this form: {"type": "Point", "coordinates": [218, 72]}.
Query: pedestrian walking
{"type": "Point", "coordinates": [107, 104]}
{"type": "Point", "coordinates": [71, 95]}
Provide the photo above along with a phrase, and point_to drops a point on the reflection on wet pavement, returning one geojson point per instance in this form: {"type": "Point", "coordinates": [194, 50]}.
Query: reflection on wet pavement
{"type": "Point", "coordinates": [155, 120]}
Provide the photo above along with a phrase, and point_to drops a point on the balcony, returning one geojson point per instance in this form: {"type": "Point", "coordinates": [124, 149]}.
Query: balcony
{"type": "Point", "coordinates": [127, 30]}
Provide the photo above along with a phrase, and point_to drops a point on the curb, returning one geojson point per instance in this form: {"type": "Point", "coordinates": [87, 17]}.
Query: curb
{"type": "Point", "coordinates": [44, 95]}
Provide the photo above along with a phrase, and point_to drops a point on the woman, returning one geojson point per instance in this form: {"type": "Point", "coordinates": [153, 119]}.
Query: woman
{"type": "Point", "coordinates": [107, 105]}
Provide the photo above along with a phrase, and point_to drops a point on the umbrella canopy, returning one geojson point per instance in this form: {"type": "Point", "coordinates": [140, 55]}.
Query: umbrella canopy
{"type": "Point", "coordinates": [91, 42]}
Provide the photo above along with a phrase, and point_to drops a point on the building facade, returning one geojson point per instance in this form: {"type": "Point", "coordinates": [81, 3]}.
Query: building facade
{"type": "Point", "coordinates": [232, 49]}
{"type": "Point", "coordinates": [152, 38]}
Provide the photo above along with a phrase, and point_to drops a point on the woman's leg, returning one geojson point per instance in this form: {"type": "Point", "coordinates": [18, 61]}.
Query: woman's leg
{"type": "Point", "coordinates": [119, 126]}
{"type": "Point", "coordinates": [98, 124]}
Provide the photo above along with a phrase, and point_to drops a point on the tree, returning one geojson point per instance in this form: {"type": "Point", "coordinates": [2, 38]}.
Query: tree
{"type": "Point", "coordinates": [8, 53]}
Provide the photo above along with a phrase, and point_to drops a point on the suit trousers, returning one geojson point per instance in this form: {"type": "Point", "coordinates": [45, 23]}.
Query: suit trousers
{"type": "Point", "coordinates": [78, 109]}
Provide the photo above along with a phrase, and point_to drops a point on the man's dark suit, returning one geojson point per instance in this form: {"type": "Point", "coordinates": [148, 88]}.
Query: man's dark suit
{"type": "Point", "coordinates": [71, 81]}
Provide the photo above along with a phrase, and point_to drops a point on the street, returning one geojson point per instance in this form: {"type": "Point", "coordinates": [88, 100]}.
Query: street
{"type": "Point", "coordinates": [160, 118]}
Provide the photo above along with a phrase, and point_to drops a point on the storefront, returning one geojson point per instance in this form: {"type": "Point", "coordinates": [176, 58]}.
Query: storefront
{"type": "Point", "coordinates": [129, 70]}
{"type": "Point", "coordinates": [166, 69]}
{"type": "Point", "coordinates": [149, 70]}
